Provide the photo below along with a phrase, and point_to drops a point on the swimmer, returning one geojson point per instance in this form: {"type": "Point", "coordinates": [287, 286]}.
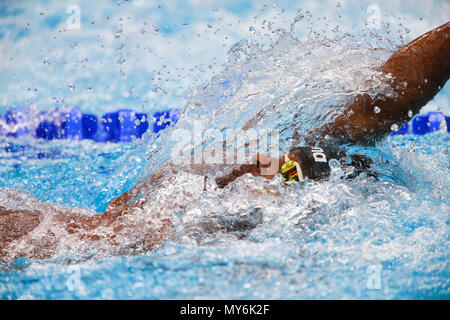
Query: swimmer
{"type": "Point", "coordinates": [417, 71]}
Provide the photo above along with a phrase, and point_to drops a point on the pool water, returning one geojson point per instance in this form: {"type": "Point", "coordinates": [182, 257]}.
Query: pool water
{"type": "Point", "coordinates": [338, 239]}
{"type": "Point", "coordinates": [384, 238]}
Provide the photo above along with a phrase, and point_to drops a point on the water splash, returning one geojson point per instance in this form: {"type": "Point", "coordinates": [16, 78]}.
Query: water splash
{"type": "Point", "coordinates": [256, 239]}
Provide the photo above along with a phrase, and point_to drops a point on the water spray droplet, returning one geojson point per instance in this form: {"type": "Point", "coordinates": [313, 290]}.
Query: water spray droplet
{"type": "Point", "coordinates": [394, 127]}
{"type": "Point", "coordinates": [333, 163]}
{"type": "Point", "coordinates": [376, 109]}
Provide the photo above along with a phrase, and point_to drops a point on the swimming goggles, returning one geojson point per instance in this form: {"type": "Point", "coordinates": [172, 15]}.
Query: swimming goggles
{"type": "Point", "coordinates": [291, 170]}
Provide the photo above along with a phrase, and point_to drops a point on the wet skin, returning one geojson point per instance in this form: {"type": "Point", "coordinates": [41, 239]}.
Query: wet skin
{"type": "Point", "coordinates": [423, 64]}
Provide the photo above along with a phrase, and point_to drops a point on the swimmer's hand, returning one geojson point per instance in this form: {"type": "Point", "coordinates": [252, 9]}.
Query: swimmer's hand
{"type": "Point", "coordinates": [262, 166]}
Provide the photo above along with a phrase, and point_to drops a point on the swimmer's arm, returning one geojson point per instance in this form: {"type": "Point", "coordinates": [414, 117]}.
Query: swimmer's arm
{"type": "Point", "coordinates": [264, 166]}
{"type": "Point", "coordinates": [134, 197]}
{"type": "Point", "coordinates": [417, 70]}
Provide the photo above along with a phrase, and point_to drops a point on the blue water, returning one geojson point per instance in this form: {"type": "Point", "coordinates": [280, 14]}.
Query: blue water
{"type": "Point", "coordinates": [323, 243]}
{"type": "Point", "coordinates": [338, 239]}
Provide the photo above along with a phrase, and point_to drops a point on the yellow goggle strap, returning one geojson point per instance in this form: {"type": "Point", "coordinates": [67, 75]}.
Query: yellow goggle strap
{"type": "Point", "coordinates": [286, 167]}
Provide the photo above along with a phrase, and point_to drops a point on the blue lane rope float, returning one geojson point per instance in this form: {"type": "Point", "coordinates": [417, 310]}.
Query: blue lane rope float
{"type": "Point", "coordinates": [422, 124]}
{"type": "Point", "coordinates": [124, 125]}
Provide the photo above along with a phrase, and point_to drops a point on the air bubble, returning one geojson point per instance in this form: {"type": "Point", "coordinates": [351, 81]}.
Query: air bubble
{"type": "Point", "coordinates": [71, 86]}
{"type": "Point", "coordinates": [333, 164]}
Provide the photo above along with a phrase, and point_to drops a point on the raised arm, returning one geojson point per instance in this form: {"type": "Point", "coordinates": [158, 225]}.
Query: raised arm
{"type": "Point", "coordinates": [417, 70]}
